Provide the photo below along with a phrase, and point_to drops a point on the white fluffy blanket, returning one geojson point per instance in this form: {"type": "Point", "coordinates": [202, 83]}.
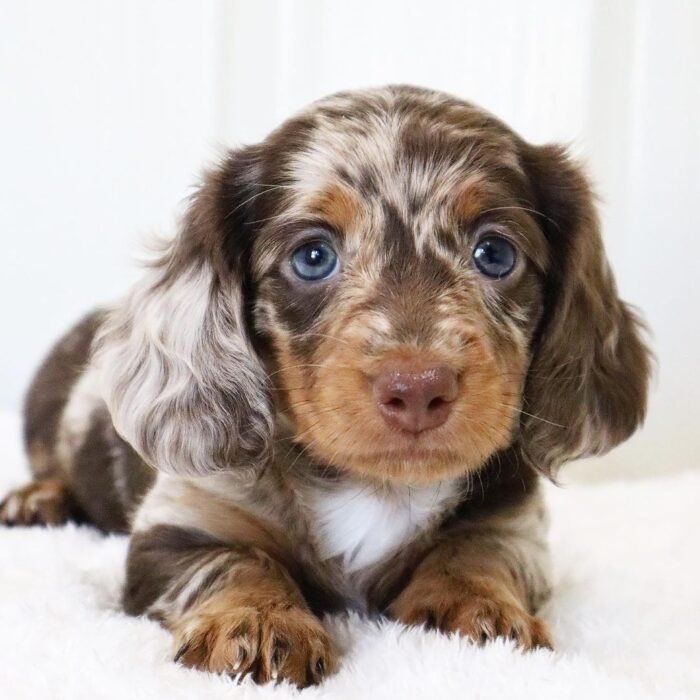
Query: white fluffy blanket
{"type": "Point", "coordinates": [625, 615]}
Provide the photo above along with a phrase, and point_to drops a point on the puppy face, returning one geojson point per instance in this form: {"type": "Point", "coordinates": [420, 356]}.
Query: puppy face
{"type": "Point", "coordinates": [399, 282]}
{"type": "Point", "coordinates": [403, 281]}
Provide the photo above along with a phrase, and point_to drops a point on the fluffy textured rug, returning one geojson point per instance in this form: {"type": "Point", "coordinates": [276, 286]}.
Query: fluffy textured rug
{"type": "Point", "coordinates": [625, 615]}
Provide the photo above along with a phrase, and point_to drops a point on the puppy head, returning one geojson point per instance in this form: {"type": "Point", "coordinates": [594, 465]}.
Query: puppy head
{"type": "Point", "coordinates": [399, 277]}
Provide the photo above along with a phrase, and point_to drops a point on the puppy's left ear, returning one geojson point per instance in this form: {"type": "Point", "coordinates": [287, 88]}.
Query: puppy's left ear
{"type": "Point", "coordinates": [587, 386]}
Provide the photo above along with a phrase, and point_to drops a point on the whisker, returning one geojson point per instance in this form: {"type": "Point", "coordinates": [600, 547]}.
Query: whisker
{"type": "Point", "coordinates": [305, 449]}
{"type": "Point", "coordinates": [532, 415]}
{"type": "Point", "coordinates": [268, 188]}
{"type": "Point", "coordinates": [332, 337]}
{"type": "Point", "coordinates": [527, 209]}
{"type": "Point", "coordinates": [276, 217]}
{"type": "Point", "coordinates": [291, 388]}
{"type": "Point", "coordinates": [288, 367]}
{"type": "Point", "coordinates": [544, 420]}
{"type": "Point", "coordinates": [376, 489]}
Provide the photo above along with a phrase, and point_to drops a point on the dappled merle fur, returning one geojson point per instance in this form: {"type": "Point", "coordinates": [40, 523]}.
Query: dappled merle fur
{"type": "Point", "coordinates": [282, 490]}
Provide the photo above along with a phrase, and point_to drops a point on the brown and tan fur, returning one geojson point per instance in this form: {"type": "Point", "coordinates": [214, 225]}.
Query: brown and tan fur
{"type": "Point", "coordinates": [281, 492]}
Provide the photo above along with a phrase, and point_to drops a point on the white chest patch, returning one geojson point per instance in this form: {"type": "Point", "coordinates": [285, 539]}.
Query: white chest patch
{"type": "Point", "coordinates": [363, 525]}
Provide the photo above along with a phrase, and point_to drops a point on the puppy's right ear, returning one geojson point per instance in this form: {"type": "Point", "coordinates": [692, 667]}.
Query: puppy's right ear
{"type": "Point", "coordinates": [178, 372]}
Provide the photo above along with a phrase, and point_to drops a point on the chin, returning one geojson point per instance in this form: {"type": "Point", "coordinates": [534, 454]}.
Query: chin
{"type": "Point", "coordinates": [409, 464]}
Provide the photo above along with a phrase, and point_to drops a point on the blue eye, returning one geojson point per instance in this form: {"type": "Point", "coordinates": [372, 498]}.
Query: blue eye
{"type": "Point", "coordinates": [315, 261]}
{"type": "Point", "coordinates": [494, 256]}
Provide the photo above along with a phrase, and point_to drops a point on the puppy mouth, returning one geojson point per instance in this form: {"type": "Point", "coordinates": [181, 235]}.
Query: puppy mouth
{"type": "Point", "coordinates": [394, 444]}
{"type": "Point", "coordinates": [411, 448]}
{"type": "Point", "coordinates": [414, 442]}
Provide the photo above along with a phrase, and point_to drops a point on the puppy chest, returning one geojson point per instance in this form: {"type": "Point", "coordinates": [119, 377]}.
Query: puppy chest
{"type": "Point", "coordinates": [360, 525]}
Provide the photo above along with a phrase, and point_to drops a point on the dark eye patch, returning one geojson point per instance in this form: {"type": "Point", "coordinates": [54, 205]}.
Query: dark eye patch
{"type": "Point", "coordinates": [300, 284]}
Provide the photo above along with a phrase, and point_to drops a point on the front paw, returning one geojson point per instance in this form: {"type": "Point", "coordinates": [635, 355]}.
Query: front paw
{"type": "Point", "coordinates": [477, 608]}
{"type": "Point", "coordinates": [281, 642]}
{"type": "Point", "coordinates": [43, 502]}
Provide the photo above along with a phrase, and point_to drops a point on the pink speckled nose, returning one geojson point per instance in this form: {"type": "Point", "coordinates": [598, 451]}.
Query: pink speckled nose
{"type": "Point", "coordinates": [415, 399]}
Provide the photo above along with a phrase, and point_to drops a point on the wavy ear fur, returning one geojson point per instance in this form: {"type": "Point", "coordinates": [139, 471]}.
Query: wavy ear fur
{"type": "Point", "coordinates": [587, 385]}
{"type": "Point", "coordinates": [178, 372]}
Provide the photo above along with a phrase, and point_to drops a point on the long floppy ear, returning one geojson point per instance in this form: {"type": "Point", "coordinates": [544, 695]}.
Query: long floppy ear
{"type": "Point", "coordinates": [178, 373]}
{"type": "Point", "coordinates": [587, 386]}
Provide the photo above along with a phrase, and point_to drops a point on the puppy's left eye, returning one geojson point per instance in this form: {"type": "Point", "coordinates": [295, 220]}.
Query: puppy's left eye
{"type": "Point", "coordinates": [494, 256]}
{"type": "Point", "coordinates": [315, 261]}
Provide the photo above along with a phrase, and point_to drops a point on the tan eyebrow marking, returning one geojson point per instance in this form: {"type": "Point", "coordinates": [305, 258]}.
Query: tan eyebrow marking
{"type": "Point", "coordinates": [337, 204]}
{"type": "Point", "coordinates": [471, 199]}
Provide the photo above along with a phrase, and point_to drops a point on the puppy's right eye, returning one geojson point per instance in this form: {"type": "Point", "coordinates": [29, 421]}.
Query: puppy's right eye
{"type": "Point", "coordinates": [315, 261]}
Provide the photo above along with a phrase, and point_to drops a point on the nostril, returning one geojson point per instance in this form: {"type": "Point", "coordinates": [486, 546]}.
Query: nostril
{"type": "Point", "coordinates": [437, 403]}
{"type": "Point", "coordinates": [396, 403]}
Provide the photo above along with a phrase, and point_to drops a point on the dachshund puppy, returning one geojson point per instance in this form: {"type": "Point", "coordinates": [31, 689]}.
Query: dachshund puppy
{"type": "Point", "coordinates": [340, 385]}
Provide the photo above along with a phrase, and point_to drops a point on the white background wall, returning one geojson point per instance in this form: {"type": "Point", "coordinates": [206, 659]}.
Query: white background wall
{"type": "Point", "coordinates": [111, 107]}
